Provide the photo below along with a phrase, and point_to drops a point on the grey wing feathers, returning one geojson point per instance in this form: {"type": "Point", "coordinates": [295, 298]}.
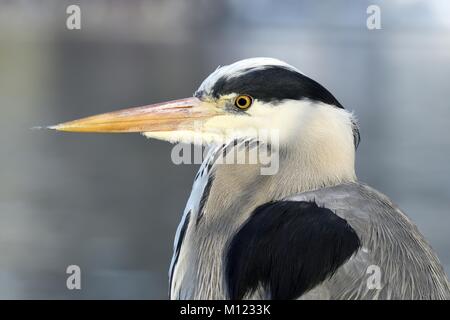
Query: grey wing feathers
{"type": "Point", "coordinates": [409, 268]}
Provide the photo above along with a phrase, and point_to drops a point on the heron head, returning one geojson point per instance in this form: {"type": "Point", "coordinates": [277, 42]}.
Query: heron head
{"type": "Point", "coordinates": [237, 101]}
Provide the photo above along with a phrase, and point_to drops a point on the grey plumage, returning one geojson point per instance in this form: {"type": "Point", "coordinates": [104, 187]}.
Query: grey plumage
{"type": "Point", "coordinates": [409, 268]}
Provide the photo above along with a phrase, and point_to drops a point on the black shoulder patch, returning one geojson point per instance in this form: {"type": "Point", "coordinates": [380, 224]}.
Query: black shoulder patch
{"type": "Point", "coordinates": [274, 83]}
{"type": "Point", "coordinates": [288, 247]}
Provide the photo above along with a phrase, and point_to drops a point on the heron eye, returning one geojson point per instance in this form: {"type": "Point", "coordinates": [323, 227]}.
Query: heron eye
{"type": "Point", "coordinates": [243, 101]}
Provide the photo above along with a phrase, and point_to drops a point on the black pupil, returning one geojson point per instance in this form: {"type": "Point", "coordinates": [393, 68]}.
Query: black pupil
{"type": "Point", "coordinates": [242, 102]}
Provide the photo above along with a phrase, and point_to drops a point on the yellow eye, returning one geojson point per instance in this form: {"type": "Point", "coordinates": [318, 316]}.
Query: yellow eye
{"type": "Point", "coordinates": [243, 101]}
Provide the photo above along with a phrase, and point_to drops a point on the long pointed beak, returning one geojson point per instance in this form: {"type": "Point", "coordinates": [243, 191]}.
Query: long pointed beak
{"type": "Point", "coordinates": [166, 116]}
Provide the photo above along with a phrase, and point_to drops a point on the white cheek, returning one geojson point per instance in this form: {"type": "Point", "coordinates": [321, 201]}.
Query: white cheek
{"type": "Point", "coordinates": [261, 118]}
{"type": "Point", "coordinates": [283, 119]}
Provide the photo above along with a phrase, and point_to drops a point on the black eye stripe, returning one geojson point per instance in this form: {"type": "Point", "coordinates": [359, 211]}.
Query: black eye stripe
{"type": "Point", "coordinates": [274, 83]}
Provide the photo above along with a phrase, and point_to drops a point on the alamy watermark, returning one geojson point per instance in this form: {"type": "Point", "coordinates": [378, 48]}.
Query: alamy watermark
{"type": "Point", "coordinates": [73, 21]}
{"type": "Point", "coordinates": [73, 281]}
{"type": "Point", "coordinates": [373, 21]}
{"type": "Point", "coordinates": [374, 280]}
{"type": "Point", "coordinates": [247, 147]}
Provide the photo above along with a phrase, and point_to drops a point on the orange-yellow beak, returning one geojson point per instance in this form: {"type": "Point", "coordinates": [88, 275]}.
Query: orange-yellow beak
{"type": "Point", "coordinates": [167, 116]}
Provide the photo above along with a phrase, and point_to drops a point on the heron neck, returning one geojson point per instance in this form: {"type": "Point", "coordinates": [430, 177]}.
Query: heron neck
{"type": "Point", "coordinates": [222, 199]}
{"type": "Point", "coordinates": [298, 169]}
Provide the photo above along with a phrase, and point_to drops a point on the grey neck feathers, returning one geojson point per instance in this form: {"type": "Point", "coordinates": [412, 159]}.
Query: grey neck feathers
{"type": "Point", "coordinates": [230, 193]}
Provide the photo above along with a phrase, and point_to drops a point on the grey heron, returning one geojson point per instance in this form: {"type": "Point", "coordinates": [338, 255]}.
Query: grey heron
{"type": "Point", "coordinates": [309, 231]}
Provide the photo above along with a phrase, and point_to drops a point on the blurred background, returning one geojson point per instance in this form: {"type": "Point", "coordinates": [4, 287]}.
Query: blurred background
{"type": "Point", "coordinates": [111, 203]}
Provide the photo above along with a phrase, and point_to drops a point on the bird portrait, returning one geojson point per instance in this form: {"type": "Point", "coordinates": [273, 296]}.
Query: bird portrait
{"type": "Point", "coordinates": [308, 228]}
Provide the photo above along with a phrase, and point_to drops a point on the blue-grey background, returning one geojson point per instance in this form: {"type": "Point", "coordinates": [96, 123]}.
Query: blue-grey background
{"type": "Point", "coordinates": [111, 203]}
